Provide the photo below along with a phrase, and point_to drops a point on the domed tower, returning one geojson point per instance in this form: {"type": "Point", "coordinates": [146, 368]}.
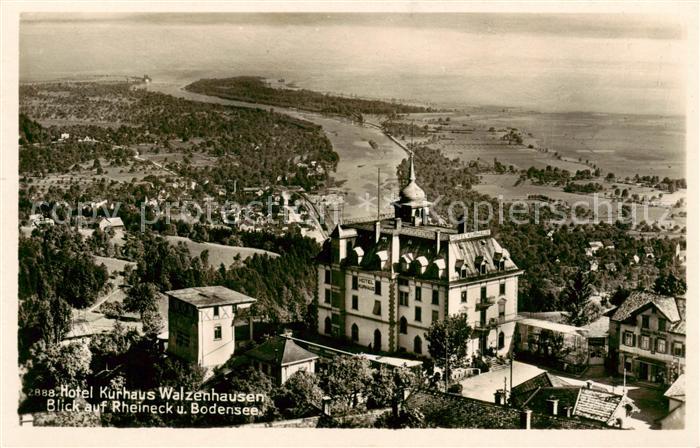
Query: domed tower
{"type": "Point", "coordinates": [412, 206]}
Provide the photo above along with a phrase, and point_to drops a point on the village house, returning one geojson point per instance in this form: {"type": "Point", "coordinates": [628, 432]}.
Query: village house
{"type": "Point", "coordinates": [38, 220]}
{"type": "Point", "coordinates": [383, 282]}
{"type": "Point", "coordinates": [549, 395]}
{"type": "Point", "coordinates": [280, 357]}
{"type": "Point", "coordinates": [647, 337]}
{"type": "Point", "coordinates": [675, 419]}
{"type": "Point", "coordinates": [111, 223]}
{"type": "Point", "coordinates": [202, 323]}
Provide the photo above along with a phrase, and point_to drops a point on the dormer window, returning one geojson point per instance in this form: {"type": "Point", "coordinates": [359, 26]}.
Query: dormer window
{"type": "Point", "coordinates": [482, 268]}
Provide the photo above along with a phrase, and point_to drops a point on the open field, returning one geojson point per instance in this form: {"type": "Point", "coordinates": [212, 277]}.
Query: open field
{"type": "Point", "coordinates": [661, 212]}
{"type": "Point", "coordinates": [218, 253]}
{"type": "Point", "coordinates": [623, 144]}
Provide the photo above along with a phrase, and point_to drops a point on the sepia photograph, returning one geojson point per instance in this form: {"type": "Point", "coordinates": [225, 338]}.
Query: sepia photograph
{"type": "Point", "coordinates": [387, 219]}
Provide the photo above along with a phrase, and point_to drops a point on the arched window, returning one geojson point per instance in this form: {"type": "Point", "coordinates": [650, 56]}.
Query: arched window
{"type": "Point", "coordinates": [417, 345]}
{"type": "Point", "coordinates": [327, 325]}
{"type": "Point", "coordinates": [377, 340]}
{"type": "Point", "coordinates": [355, 333]}
{"type": "Point", "coordinates": [501, 340]}
{"type": "Point", "coordinates": [403, 326]}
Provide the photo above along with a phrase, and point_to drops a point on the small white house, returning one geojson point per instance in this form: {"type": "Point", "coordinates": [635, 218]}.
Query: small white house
{"type": "Point", "coordinates": [111, 223]}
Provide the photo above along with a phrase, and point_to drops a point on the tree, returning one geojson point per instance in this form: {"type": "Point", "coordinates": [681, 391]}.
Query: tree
{"type": "Point", "coordinates": [298, 394]}
{"type": "Point", "coordinates": [670, 285]}
{"type": "Point", "coordinates": [576, 299]}
{"type": "Point", "coordinates": [54, 365]}
{"type": "Point", "coordinates": [346, 376]}
{"type": "Point", "coordinates": [141, 298]}
{"type": "Point", "coordinates": [388, 386]}
{"type": "Point", "coordinates": [447, 342]}
{"type": "Point", "coordinates": [619, 296]}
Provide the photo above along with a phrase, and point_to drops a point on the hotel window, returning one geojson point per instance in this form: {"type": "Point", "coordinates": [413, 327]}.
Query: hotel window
{"type": "Point", "coordinates": [463, 272]}
{"type": "Point", "coordinates": [436, 297]}
{"type": "Point", "coordinates": [378, 287]}
{"type": "Point", "coordinates": [217, 333]}
{"type": "Point", "coordinates": [354, 302]}
{"type": "Point", "coordinates": [403, 325]}
{"type": "Point", "coordinates": [645, 321]}
{"type": "Point", "coordinates": [335, 300]}
{"type": "Point", "coordinates": [327, 296]}
{"type": "Point", "coordinates": [679, 349]}
{"type": "Point", "coordinates": [328, 277]}
{"type": "Point", "coordinates": [435, 316]}
{"type": "Point", "coordinates": [464, 296]}
{"type": "Point", "coordinates": [354, 282]}
{"type": "Point", "coordinates": [661, 324]}
{"type": "Point", "coordinates": [418, 314]}
{"type": "Point", "coordinates": [377, 310]}
{"type": "Point", "coordinates": [483, 293]}
{"type": "Point", "coordinates": [502, 309]}
{"type": "Point", "coordinates": [502, 288]}
{"type": "Point", "coordinates": [629, 339]}
{"type": "Point", "coordinates": [403, 298]}
{"type": "Point", "coordinates": [661, 345]}
{"type": "Point", "coordinates": [355, 333]}
{"type": "Point", "coordinates": [216, 311]}
{"type": "Point", "coordinates": [645, 342]}
{"type": "Point", "coordinates": [419, 293]}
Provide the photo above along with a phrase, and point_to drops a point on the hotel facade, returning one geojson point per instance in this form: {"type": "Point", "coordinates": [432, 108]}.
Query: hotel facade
{"type": "Point", "coordinates": [382, 283]}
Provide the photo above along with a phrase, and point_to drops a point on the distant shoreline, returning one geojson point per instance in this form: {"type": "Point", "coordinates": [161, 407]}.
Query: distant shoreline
{"type": "Point", "coordinates": [443, 108]}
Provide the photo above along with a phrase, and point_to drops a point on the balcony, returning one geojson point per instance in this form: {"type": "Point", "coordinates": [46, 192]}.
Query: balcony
{"type": "Point", "coordinates": [485, 326]}
{"type": "Point", "coordinates": [486, 303]}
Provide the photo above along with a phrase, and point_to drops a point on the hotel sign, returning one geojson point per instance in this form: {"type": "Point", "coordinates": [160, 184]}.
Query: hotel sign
{"type": "Point", "coordinates": [366, 283]}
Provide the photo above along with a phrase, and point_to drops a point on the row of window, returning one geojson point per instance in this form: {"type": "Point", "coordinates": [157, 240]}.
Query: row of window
{"type": "Point", "coordinates": [660, 323]}
{"type": "Point", "coordinates": [658, 345]}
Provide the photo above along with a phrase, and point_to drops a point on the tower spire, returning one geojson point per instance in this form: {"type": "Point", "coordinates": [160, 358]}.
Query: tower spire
{"type": "Point", "coordinates": [412, 171]}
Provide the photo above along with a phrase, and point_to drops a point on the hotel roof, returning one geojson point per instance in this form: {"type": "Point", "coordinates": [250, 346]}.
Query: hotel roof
{"type": "Point", "coordinates": [207, 296]}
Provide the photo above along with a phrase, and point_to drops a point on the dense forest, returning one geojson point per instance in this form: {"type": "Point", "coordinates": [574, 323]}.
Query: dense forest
{"type": "Point", "coordinates": [256, 90]}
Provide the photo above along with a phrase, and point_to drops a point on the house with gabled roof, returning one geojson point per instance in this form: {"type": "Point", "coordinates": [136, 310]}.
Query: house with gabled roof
{"type": "Point", "coordinates": [675, 419]}
{"type": "Point", "coordinates": [280, 357]}
{"type": "Point", "coordinates": [549, 395]}
{"type": "Point", "coordinates": [647, 337]}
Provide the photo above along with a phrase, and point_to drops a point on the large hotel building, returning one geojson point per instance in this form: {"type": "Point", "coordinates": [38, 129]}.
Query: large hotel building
{"type": "Point", "coordinates": [382, 283]}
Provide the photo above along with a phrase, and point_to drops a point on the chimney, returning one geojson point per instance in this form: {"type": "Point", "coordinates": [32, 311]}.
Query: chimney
{"type": "Point", "coordinates": [525, 418]}
{"type": "Point", "coordinates": [568, 411]}
{"type": "Point", "coordinates": [437, 242]}
{"type": "Point", "coordinates": [377, 230]}
{"type": "Point", "coordinates": [498, 397]}
{"type": "Point", "coordinates": [462, 224]}
{"type": "Point", "coordinates": [397, 223]}
{"type": "Point", "coordinates": [589, 384]}
{"type": "Point", "coordinates": [552, 405]}
{"type": "Point", "coordinates": [326, 405]}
